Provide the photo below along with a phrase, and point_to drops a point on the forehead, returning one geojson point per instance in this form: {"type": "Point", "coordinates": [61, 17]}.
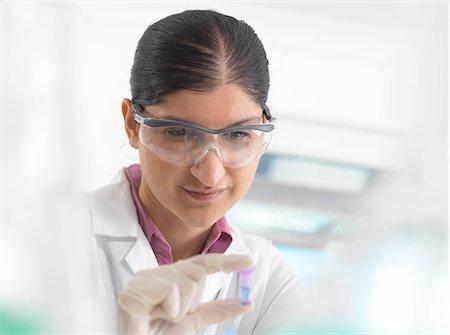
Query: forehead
{"type": "Point", "coordinates": [218, 108]}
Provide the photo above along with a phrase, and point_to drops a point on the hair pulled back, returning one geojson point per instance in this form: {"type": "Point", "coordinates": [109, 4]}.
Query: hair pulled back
{"type": "Point", "coordinates": [198, 50]}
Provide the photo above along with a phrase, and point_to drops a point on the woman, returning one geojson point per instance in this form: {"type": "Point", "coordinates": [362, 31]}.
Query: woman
{"type": "Point", "coordinates": [198, 118]}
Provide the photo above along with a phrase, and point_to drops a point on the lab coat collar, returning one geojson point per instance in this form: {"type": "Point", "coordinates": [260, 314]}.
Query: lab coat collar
{"type": "Point", "coordinates": [237, 246]}
{"type": "Point", "coordinates": [111, 214]}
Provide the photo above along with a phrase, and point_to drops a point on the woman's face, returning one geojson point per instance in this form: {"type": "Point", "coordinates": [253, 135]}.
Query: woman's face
{"type": "Point", "coordinates": [201, 194]}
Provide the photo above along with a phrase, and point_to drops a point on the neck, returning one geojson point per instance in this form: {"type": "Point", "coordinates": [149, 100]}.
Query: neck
{"type": "Point", "coordinates": [184, 239]}
{"type": "Point", "coordinates": [186, 244]}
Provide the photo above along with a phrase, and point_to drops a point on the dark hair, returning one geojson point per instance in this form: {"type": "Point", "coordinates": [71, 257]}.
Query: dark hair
{"type": "Point", "coordinates": [198, 50]}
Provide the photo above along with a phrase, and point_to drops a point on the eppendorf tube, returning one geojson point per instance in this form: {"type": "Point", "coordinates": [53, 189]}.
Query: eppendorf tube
{"type": "Point", "coordinates": [245, 285]}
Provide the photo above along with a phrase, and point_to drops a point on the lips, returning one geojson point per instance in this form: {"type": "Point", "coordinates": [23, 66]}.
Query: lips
{"type": "Point", "coordinates": [208, 195]}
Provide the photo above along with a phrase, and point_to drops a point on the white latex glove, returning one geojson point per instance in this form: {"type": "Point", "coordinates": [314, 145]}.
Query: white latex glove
{"type": "Point", "coordinates": [166, 299]}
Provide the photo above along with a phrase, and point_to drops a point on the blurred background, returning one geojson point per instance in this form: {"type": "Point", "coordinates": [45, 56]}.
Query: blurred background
{"type": "Point", "coordinates": [353, 189]}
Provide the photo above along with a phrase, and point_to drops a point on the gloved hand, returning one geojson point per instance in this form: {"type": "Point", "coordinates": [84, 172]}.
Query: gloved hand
{"type": "Point", "coordinates": [166, 299]}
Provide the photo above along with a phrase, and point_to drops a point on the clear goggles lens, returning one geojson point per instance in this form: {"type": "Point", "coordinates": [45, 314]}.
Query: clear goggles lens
{"type": "Point", "coordinates": [187, 144]}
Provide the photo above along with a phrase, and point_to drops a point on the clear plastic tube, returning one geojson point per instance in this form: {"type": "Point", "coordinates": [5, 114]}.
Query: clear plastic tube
{"type": "Point", "coordinates": [245, 285]}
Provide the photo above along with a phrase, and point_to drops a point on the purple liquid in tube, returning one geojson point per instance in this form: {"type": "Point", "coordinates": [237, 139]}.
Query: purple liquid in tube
{"type": "Point", "coordinates": [245, 285]}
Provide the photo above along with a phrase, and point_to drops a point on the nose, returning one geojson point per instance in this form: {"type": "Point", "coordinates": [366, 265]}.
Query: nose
{"type": "Point", "coordinates": [209, 170]}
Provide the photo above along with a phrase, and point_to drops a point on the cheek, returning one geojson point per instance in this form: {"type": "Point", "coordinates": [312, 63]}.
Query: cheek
{"type": "Point", "coordinates": [159, 175]}
{"type": "Point", "coordinates": [242, 179]}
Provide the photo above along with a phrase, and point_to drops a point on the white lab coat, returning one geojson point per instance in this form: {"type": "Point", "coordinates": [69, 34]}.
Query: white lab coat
{"type": "Point", "coordinates": [118, 248]}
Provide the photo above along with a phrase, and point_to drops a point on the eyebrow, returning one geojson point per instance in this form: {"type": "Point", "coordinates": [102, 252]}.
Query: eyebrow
{"type": "Point", "coordinates": [240, 122]}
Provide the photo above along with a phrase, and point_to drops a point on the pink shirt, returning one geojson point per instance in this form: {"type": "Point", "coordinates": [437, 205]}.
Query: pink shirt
{"type": "Point", "coordinates": [219, 238]}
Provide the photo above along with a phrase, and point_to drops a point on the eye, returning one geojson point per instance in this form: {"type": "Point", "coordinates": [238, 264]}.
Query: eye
{"type": "Point", "coordinates": [175, 132]}
{"type": "Point", "coordinates": [239, 134]}
{"type": "Point", "coordinates": [180, 134]}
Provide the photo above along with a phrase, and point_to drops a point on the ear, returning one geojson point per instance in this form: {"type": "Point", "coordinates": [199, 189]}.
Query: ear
{"type": "Point", "coordinates": [268, 108]}
{"type": "Point", "coordinates": [130, 124]}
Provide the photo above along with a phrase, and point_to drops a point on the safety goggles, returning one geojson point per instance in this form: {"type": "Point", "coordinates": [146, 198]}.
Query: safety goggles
{"type": "Point", "coordinates": [185, 143]}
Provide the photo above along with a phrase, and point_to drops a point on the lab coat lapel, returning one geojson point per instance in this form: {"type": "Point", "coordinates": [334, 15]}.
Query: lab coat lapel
{"type": "Point", "coordinates": [116, 227]}
{"type": "Point", "coordinates": [140, 256]}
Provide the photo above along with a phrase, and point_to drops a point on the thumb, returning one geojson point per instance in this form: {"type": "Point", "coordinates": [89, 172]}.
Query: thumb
{"type": "Point", "coordinates": [214, 312]}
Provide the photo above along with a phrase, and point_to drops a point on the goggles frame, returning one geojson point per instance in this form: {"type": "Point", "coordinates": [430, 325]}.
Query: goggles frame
{"type": "Point", "coordinates": [140, 118]}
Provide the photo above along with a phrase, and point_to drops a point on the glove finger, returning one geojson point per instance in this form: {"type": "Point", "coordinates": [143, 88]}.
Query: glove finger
{"type": "Point", "coordinates": [133, 315]}
{"type": "Point", "coordinates": [198, 296]}
{"type": "Point", "coordinates": [210, 313]}
{"type": "Point", "coordinates": [154, 287]}
{"type": "Point", "coordinates": [169, 308]}
{"type": "Point", "coordinates": [135, 306]}
{"type": "Point", "coordinates": [217, 262]}
{"type": "Point", "coordinates": [179, 302]}
{"type": "Point", "coordinates": [191, 270]}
